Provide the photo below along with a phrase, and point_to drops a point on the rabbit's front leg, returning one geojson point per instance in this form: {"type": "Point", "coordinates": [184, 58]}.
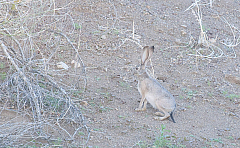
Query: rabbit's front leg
{"type": "Point", "coordinates": [144, 105]}
{"type": "Point", "coordinates": [140, 108]}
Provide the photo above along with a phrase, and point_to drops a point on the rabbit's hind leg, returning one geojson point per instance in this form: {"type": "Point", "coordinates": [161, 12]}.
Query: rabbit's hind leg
{"type": "Point", "coordinates": [166, 114]}
{"type": "Point", "coordinates": [159, 114]}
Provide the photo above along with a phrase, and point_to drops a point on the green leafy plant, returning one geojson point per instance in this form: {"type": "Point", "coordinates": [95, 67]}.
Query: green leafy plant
{"type": "Point", "coordinates": [97, 78]}
{"type": "Point", "coordinates": [162, 141]}
{"type": "Point", "coordinates": [81, 133]}
{"type": "Point", "coordinates": [53, 102]}
{"type": "Point", "coordinates": [104, 109]}
{"type": "Point", "coordinates": [3, 76]}
{"type": "Point", "coordinates": [189, 93]}
{"type": "Point", "coordinates": [115, 31]}
{"type": "Point", "coordinates": [230, 96]}
{"type": "Point", "coordinates": [219, 140]}
{"type": "Point", "coordinates": [233, 96]}
{"type": "Point", "coordinates": [121, 116]}
{"type": "Point", "coordinates": [2, 65]}
{"type": "Point", "coordinates": [142, 144]}
{"type": "Point", "coordinates": [77, 93]}
{"type": "Point", "coordinates": [125, 85]}
{"type": "Point", "coordinates": [58, 142]}
{"type": "Point", "coordinates": [77, 26]}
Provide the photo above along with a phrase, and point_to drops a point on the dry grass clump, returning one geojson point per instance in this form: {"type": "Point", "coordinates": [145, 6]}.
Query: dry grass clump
{"type": "Point", "coordinates": [206, 47]}
{"type": "Point", "coordinates": [35, 92]}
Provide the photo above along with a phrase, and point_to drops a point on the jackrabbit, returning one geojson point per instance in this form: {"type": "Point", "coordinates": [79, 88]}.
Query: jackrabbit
{"type": "Point", "coordinates": [152, 91]}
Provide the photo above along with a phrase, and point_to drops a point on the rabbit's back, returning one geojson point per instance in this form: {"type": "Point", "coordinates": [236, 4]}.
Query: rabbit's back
{"type": "Point", "coordinates": [155, 93]}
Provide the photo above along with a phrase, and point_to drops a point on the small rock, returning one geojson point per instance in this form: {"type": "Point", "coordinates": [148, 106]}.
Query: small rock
{"type": "Point", "coordinates": [212, 40]}
{"type": "Point", "coordinates": [108, 138]}
{"type": "Point", "coordinates": [178, 41]}
{"type": "Point", "coordinates": [219, 133]}
{"type": "Point", "coordinates": [183, 109]}
{"type": "Point", "coordinates": [105, 69]}
{"type": "Point", "coordinates": [232, 114]}
{"type": "Point", "coordinates": [103, 37]}
{"type": "Point", "coordinates": [233, 79]}
{"type": "Point", "coordinates": [62, 65]}
{"type": "Point", "coordinates": [84, 103]}
{"type": "Point", "coordinates": [76, 64]}
{"type": "Point", "coordinates": [124, 132]}
{"type": "Point", "coordinates": [183, 33]}
{"type": "Point", "coordinates": [121, 55]}
{"type": "Point", "coordinates": [227, 129]}
{"type": "Point", "coordinates": [128, 121]}
{"type": "Point", "coordinates": [184, 26]}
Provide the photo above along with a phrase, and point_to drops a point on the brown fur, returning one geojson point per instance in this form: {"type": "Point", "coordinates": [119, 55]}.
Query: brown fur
{"type": "Point", "coordinates": [152, 91]}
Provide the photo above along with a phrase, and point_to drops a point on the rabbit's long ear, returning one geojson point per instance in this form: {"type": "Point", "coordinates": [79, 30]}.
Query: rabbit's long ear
{"type": "Point", "coordinates": [146, 54]}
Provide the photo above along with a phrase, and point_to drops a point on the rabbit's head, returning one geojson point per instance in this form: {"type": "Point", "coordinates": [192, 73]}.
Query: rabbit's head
{"type": "Point", "coordinates": [145, 57]}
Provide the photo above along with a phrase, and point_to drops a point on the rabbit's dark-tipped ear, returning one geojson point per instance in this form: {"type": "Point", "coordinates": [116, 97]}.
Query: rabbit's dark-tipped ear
{"type": "Point", "coordinates": [146, 54]}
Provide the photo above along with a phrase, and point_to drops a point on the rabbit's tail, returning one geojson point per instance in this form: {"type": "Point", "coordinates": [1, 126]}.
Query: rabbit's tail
{"type": "Point", "coordinates": [171, 115]}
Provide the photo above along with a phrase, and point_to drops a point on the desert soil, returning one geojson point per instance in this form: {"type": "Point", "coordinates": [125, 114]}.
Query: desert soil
{"type": "Point", "coordinates": [206, 93]}
{"type": "Point", "coordinates": [206, 115]}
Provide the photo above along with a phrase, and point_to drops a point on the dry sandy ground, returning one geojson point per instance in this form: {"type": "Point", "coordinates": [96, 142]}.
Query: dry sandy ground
{"type": "Point", "coordinates": [208, 99]}
{"type": "Point", "coordinates": [206, 115]}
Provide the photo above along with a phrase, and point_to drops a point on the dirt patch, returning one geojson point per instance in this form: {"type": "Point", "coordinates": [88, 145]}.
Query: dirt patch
{"type": "Point", "coordinates": [208, 103]}
{"type": "Point", "coordinates": [206, 114]}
